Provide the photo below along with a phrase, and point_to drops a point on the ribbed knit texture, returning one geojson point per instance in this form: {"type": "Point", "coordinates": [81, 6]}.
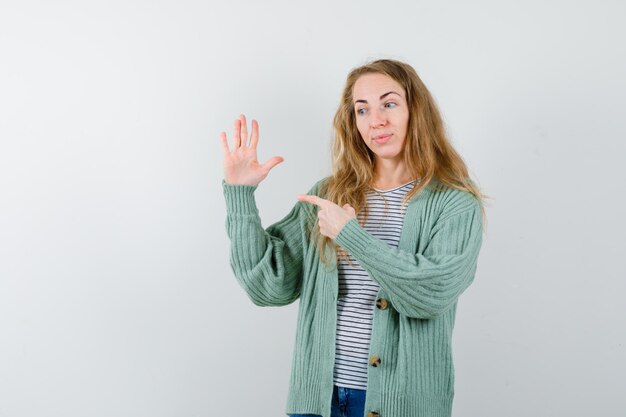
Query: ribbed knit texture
{"type": "Point", "coordinates": [422, 278]}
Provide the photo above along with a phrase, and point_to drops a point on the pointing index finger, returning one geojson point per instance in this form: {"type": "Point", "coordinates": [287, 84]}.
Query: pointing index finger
{"type": "Point", "coordinates": [313, 199]}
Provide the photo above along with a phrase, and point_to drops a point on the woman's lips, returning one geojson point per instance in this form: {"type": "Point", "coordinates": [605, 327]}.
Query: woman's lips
{"type": "Point", "coordinates": [382, 139]}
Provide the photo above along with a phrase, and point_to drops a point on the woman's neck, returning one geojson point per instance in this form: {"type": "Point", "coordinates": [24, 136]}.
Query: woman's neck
{"type": "Point", "coordinates": [390, 174]}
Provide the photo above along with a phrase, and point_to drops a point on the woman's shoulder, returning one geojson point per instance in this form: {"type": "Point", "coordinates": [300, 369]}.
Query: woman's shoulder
{"type": "Point", "coordinates": [450, 200]}
{"type": "Point", "coordinates": [307, 210]}
{"type": "Point", "coordinates": [318, 188]}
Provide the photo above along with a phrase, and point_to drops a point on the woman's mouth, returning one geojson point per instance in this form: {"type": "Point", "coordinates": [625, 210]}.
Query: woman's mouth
{"type": "Point", "coordinates": [382, 139]}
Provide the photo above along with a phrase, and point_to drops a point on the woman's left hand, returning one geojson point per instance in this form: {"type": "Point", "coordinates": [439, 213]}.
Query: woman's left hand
{"type": "Point", "coordinates": [332, 218]}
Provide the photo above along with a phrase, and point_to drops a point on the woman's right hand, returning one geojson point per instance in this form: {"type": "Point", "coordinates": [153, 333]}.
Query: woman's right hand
{"type": "Point", "coordinates": [241, 165]}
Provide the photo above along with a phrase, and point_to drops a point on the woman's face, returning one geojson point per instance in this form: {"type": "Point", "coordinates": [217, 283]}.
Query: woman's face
{"type": "Point", "coordinates": [382, 115]}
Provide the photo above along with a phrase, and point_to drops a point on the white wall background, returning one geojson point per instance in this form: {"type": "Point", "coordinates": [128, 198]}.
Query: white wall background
{"type": "Point", "coordinates": [116, 295]}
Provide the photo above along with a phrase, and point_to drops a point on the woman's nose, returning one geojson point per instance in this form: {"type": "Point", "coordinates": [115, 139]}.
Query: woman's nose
{"type": "Point", "coordinates": [377, 118]}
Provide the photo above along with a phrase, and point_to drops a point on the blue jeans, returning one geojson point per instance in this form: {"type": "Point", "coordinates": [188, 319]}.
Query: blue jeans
{"type": "Point", "coordinates": [347, 402]}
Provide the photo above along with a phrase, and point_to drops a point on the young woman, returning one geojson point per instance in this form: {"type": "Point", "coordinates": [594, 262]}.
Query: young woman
{"type": "Point", "coordinates": [378, 252]}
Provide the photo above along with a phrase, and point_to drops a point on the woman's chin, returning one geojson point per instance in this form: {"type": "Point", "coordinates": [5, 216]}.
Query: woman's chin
{"type": "Point", "coordinates": [391, 156]}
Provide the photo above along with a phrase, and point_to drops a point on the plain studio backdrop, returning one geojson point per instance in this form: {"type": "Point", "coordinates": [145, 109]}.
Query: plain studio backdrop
{"type": "Point", "coordinates": [116, 293]}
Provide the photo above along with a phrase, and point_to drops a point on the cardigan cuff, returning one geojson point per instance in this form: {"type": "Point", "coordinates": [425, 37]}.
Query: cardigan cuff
{"type": "Point", "coordinates": [240, 198]}
{"type": "Point", "coordinates": [354, 238]}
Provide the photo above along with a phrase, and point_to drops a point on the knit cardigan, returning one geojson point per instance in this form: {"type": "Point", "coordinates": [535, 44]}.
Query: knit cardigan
{"type": "Point", "coordinates": [421, 280]}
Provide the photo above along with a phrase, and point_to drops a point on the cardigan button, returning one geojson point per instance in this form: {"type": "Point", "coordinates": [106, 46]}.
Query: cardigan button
{"type": "Point", "coordinates": [373, 414]}
{"type": "Point", "coordinates": [382, 303]}
{"type": "Point", "coordinates": [375, 361]}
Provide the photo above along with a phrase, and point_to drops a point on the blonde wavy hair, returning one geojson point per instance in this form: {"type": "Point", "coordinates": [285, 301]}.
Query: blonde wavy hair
{"type": "Point", "coordinates": [428, 154]}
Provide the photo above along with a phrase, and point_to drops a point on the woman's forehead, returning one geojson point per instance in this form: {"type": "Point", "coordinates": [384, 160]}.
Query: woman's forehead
{"type": "Point", "coordinates": [374, 85]}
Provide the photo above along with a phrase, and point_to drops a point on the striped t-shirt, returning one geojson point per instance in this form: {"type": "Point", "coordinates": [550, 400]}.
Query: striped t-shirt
{"type": "Point", "coordinates": [357, 291]}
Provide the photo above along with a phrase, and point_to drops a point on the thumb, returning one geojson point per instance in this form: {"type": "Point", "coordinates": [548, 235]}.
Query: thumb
{"type": "Point", "coordinates": [273, 162]}
{"type": "Point", "coordinates": [349, 208]}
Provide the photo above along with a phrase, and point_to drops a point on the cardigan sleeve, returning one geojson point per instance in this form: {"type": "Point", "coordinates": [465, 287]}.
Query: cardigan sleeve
{"type": "Point", "coordinates": [422, 285]}
{"type": "Point", "coordinates": [266, 262]}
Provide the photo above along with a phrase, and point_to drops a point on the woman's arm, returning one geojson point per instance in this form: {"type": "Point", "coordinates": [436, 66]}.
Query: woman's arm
{"type": "Point", "coordinates": [422, 285]}
{"type": "Point", "coordinates": [267, 263]}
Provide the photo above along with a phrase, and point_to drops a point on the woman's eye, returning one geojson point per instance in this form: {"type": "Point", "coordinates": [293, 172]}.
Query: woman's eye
{"type": "Point", "coordinates": [360, 111]}
{"type": "Point", "coordinates": [391, 104]}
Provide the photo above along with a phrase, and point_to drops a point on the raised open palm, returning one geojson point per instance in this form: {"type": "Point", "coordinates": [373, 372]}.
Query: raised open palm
{"type": "Point", "coordinates": [240, 164]}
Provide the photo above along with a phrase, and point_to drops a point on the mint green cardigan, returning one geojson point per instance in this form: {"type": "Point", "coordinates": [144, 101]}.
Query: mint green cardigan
{"type": "Point", "coordinates": [421, 279]}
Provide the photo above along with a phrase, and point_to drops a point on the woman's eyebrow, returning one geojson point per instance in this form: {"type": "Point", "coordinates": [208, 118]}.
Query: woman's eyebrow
{"type": "Point", "coordinates": [381, 97]}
